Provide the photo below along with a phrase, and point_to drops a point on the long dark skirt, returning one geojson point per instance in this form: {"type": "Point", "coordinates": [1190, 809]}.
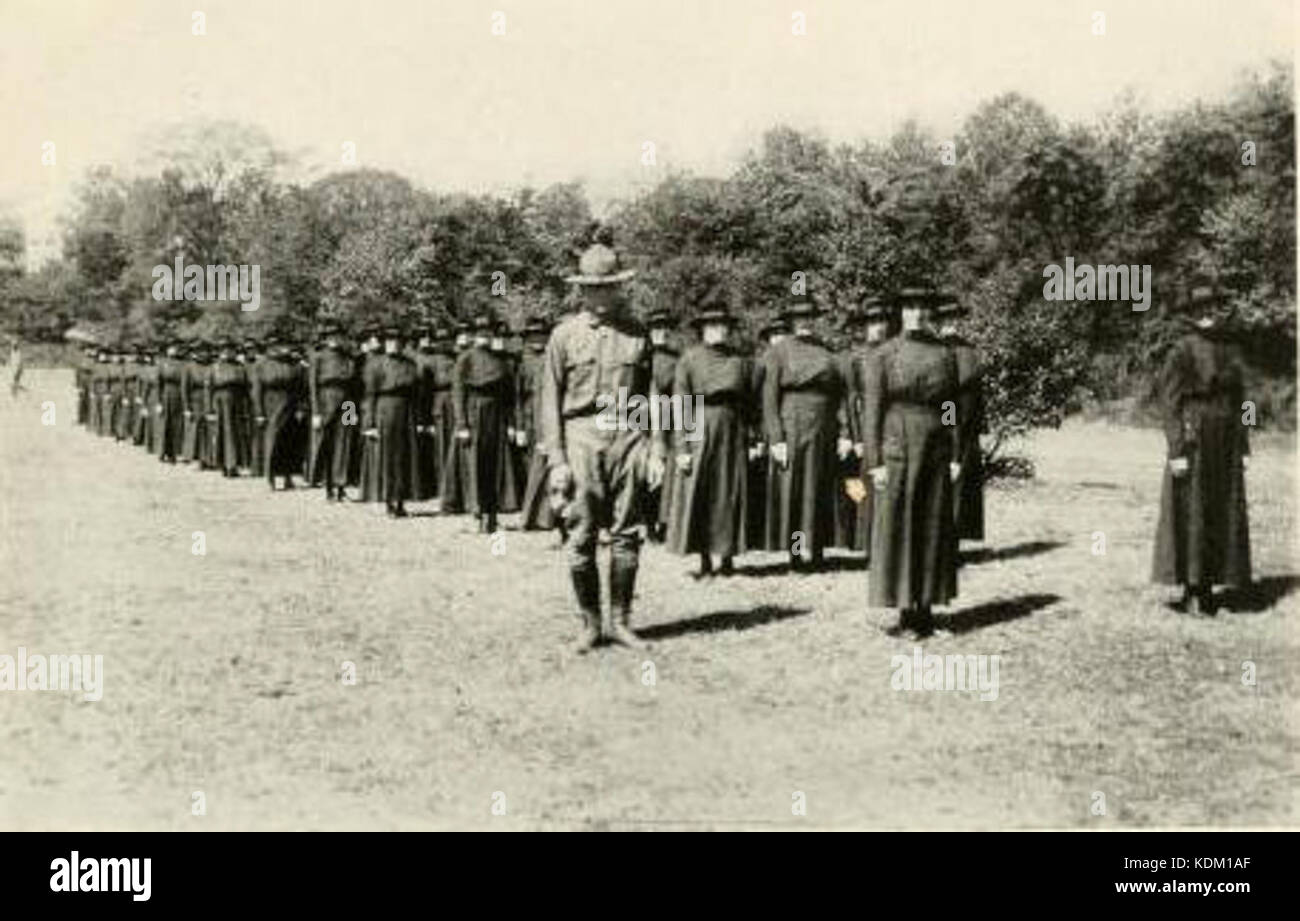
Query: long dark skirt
{"type": "Point", "coordinates": [124, 415]}
{"type": "Point", "coordinates": [333, 445]}
{"type": "Point", "coordinates": [471, 478]}
{"type": "Point", "coordinates": [139, 423]}
{"type": "Point", "coordinates": [229, 450]}
{"type": "Point", "coordinates": [803, 492]}
{"type": "Point", "coordinates": [537, 512]}
{"type": "Point", "coordinates": [444, 430]}
{"type": "Point", "coordinates": [710, 503]}
{"type": "Point", "coordinates": [426, 464]}
{"type": "Point", "coordinates": [169, 428]}
{"type": "Point", "coordinates": [284, 440]}
{"type": "Point", "coordinates": [847, 520]}
{"type": "Point", "coordinates": [1203, 537]}
{"type": "Point", "coordinates": [391, 464]}
{"type": "Point", "coordinates": [968, 495]}
{"type": "Point", "coordinates": [914, 546]}
{"type": "Point", "coordinates": [756, 500]}
{"type": "Point", "coordinates": [510, 474]}
{"type": "Point", "coordinates": [194, 445]}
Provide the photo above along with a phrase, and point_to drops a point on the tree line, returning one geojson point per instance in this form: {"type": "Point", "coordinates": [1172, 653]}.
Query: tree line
{"type": "Point", "coordinates": [1208, 188]}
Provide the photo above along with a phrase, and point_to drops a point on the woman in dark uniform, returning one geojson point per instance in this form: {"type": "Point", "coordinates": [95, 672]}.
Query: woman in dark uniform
{"type": "Point", "coordinates": [483, 398]}
{"type": "Point", "coordinates": [391, 380]}
{"type": "Point", "coordinates": [1203, 538]}
{"type": "Point", "coordinates": [538, 513]}
{"type": "Point", "coordinates": [280, 388]}
{"type": "Point", "coordinates": [709, 511]}
{"type": "Point", "coordinates": [802, 389]}
{"type": "Point", "coordinates": [169, 408]}
{"type": "Point", "coordinates": [910, 391]}
{"type": "Point", "coordinates": [227, 387]}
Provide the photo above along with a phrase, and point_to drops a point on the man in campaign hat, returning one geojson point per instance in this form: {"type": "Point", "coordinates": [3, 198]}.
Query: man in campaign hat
{"type": "Point", "coordinates": [601, 469]}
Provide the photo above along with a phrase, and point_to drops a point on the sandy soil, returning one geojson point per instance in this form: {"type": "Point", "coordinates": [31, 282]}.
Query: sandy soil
{"type": "Point", "coordinates": [222, 671]}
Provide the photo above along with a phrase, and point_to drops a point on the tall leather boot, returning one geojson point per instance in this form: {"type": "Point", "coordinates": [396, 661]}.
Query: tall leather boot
{"type": "Point", "coordinates": [586, 588]}
{"type": "Point", "coordinates": [622, 583]}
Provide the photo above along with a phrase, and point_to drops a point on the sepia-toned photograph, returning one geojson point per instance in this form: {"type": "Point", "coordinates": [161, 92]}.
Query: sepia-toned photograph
{"type": "Point", "coordinates": [647, 416]}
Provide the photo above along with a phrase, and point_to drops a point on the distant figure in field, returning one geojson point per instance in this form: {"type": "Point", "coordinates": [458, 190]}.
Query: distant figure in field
{"type": "Point", "coordinates": [1203, 537]}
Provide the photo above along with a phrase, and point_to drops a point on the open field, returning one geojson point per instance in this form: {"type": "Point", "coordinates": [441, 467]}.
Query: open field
{"type": "Point", "coordinates": [222, 670]}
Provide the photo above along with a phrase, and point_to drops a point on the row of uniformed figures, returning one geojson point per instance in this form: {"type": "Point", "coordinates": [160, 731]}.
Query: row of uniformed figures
{"type": "Point", "coordinates": [874, 448]}
{"type": "Point", "coordinates": [797, 449]}
{"type": "Point", "coordinates": [450, 418]}
{"type": "Point", "coordinates": [789, 450]}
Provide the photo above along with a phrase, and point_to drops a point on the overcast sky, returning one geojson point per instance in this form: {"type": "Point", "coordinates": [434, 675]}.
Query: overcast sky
{"type": "Point", "coordinates": [574, 89]}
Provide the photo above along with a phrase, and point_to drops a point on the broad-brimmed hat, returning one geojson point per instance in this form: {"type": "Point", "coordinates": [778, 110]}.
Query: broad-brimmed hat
{"type": "Point", "coordinates": [915, 296]}
{"type": "Point", "coordinates": [393, 331]}
{"type": "Point", "coordinates": [871, 310]}
{"type": "Point", "coordinates": [599, 265]}
{"type": "Point", "coordinates": [661, 317]}
{"type": "Point", "coordinates": [947, 305]}
{"type": "Point", "coordinates": [536, 326]}
{"type": "Point", "coordinates": [800, 308]}
{"type": "Point", "coordinates": [714, 315]}
{"type": "Point", "coordinates": [483, 321]}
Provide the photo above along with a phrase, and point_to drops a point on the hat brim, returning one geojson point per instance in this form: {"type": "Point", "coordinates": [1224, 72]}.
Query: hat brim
{"type": "Point", "coordinates": [598, 280]}
{"type": "Point", "coordinates": [724, 319]}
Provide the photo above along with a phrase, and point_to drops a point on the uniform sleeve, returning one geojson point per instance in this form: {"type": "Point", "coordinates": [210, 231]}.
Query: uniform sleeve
{"type": "Point", "coordinates": [772, 397]}
{"type": "Point", "coordinates": [458, 390]}
{"type": "Point", "coordinates": [372, 380]}
{"type": "Point", "coordinates": [1171, 384]}
{"type": "Point", "coordinates": [255, 388]}
{"type": "Point", "coordinates": [552, 407]}
{"type": "Point", "coordinates": [313, 384]}
{"type": "Point", "coordinates": [683, 387]}
{"type": "Point", "coordinates": [873, 409]}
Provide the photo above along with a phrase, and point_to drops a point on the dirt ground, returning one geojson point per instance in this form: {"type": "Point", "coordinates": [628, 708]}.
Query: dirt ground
{"type": "Point", "coordinates": [222, 671]}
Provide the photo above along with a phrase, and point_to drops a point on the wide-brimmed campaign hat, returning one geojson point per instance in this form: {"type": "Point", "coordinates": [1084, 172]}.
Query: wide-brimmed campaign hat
{"type": "Point", "coordinates": [599, 265]}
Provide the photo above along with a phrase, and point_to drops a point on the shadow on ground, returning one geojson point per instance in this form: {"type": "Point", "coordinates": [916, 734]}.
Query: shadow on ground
{"type": "Point", "coordinates": [1261, 595]}
{"type": "Point", "coordinates": [855, 563]}
{"type": "Point", "coordinates": [996, 612]}
{"type": "Point", "coordinates": [722, 620]}
{"type": "Point", "coordinates": [1015, 551]}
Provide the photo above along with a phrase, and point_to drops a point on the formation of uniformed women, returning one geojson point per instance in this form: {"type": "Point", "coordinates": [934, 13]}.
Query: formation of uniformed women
{"type": "Point", "coordinates": [796, 448]}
